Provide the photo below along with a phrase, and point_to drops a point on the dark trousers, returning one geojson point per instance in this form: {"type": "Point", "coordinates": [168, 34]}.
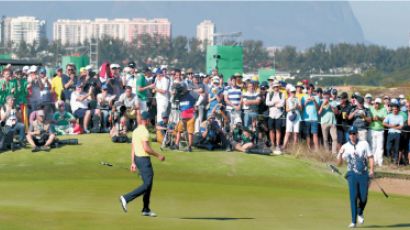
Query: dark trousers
{"type": "Point", "coordinates": [358, 189]}
{"type": "Point", "coordinates": [392, 144]}
{"type": "Point", "coordinates": [147, 173]}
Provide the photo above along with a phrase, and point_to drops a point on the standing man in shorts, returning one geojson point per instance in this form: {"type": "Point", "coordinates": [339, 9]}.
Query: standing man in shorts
{"type": "Point", "coordinates": [311, 104]}
{"type": "Point", "coordinates": [140, 158]}
{"type": "Point", "coordinates": [275, 101]}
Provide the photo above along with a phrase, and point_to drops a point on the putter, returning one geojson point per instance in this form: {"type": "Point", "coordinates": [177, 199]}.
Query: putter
{"type": "Point", "coordinates": [336, 170]}
{"type": "Point", "coordinates": [381, 189]}
{"type": "Point", "coordinates": [106, 163]}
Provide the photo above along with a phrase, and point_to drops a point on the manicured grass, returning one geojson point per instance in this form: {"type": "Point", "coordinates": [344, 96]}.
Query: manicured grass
{"type": "Point", "coordinates": [67, 188]}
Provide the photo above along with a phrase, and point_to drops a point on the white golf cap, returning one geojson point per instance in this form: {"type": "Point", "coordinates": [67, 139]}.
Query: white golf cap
{"type": "Point", "coordinates": [112, 66]}
{"type": "Point", "coordinates": [378, 100]}
{"type": "Point", "coordinates": [215, 80]}
{"type": "Point", "coordinates": [237, 120]}
{"type": "Point", "coordinates": [368, 95]}
{"type": "Point", "coordinates": [32, 69]}
{"type": "Point", "coordinates": [276, 83]}
{"type": "Point", "coordinates": [288, 87]}
{"type": "Point", "coordinates": [394, 101]}
{"type": "Point", "coordinates": [401, 96]}
{"type": "Point", "coordinates": [25, 69]}
{"type": "Point", "coordinates": [292, 89]}
{"type": "Point", "coordinates": [272, 78]}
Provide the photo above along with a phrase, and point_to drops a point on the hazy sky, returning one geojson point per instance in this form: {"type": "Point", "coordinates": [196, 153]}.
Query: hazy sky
{"type": "Point", "coordinates": [384, 23]}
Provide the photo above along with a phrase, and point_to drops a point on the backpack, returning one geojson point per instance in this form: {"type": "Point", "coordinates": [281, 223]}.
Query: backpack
{"type": "Point", "coordinates": [6, 138]}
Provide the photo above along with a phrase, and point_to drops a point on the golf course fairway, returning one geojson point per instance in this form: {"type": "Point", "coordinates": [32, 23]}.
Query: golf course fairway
{"type": "Point", "coordinates": [69, 188]}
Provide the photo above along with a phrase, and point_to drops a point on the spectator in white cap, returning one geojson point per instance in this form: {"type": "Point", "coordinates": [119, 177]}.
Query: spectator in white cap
{"type": "Point", "coordinates": [161, 88]}
{"type": "Point", "coordinates": [376, 130]}
{"type": "Point", "coordinates": [275, 100]}
{"type": "Point", "coordinates": [215, 96]}
{"type": "Point", "coordinates": [36, 86]}
{"type": "Point", "coordinates": [115, 86]}
{"type": "Point", "coordinates": [368, 100]}
{"type": "Point", "coordinates": [328, 123]}
{"type": "Point", "coordinates": [292, 118]}
{"type": "Point", "coordinates": [25, 70]}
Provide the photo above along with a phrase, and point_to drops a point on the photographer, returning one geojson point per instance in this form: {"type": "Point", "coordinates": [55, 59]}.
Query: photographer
{"type": "Point", "coordinates": [39, 135]}
{"type": "Point", "coordinates": [162, 127]}
{"type": "Point", "coordinates": [118, 132]}
{"type": "Point", "coordinates": [130, 101]}
{"type": "Point", "coordinates": [9, 119]}
{"type": "Point", "coordinates": [211, 135]}
{"type": "Point", "coordinates": [242, 139]}
{"type": "Point", "coordinates": [361, 118]}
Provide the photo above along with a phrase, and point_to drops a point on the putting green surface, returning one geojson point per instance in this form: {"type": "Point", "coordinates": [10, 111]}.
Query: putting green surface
{"type": "Point", "coordinates": [68, 188]}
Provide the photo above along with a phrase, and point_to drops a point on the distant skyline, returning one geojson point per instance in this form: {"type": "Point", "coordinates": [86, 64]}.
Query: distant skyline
{"type": "Point", "coordinates": [381, 23]}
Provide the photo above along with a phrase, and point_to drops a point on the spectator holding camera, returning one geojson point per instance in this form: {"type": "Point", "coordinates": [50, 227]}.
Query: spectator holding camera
{"type": "Point", "coordinates": [79, 105]}
{"type": "Point", "coordinates": [39, 135]}
{"type": "Point", "coordinates": [118, 132]}
{"type": "Point", "coordinates": [275, 100]}
{"type": "Point", "coordinates": [292, 118]}
{"type": "Point", "coordinates": [211, 135]}
{"type": "Point", "coordinates": [328, 123]}
{"type": "Point", "coordinates": [361, 118]}
{"type": "Point", "coordinates": [310, 106]}
{"type": "Point", "coordinates": [104, 102]}
{"type": "Point", "coordinates": [10, 118]}
{"type": "Point", "coordinates": [130, 101]}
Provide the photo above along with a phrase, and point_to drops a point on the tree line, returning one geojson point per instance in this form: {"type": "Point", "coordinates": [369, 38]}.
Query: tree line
{"type": "Point", "coordinates": [376, 64]}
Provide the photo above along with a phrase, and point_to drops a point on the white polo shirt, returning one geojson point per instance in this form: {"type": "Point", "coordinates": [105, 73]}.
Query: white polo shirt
{"type": "Point", "coordinates": [356, 156]}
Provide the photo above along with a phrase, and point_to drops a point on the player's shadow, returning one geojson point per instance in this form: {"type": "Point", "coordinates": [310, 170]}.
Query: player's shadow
{"type": "Point", "coordinates": [217, 218]}
{"type": "Point", "coordinates": [402, 225]}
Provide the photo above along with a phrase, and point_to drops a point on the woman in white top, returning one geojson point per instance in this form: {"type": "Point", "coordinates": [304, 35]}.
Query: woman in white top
{"type": "Point", "coordinates": [292, 118]}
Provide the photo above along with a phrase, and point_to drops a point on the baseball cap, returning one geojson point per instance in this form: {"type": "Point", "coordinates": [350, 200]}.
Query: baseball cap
{"type": "Point", "coordinates": [386, 97]}
{"type": "Point", "coordinates": [401, 96]}
{"type": "Point", "coordinates": [378, 100]}
{"type": "Point", "coordinates": [353, 129]}
{"type": "Point", "coordinates": [164, 115]}
{"type": "Point", "coordinates": [104, 87]}
{"type": "Point", "coordinates": [145, 115]}
{"type": "Point", "coordinates": [42, 70]}
{"type": "Point", "coordinates": [276, 83]}
{"type": "Point", "coordinates": [25, 69]}
{"type": "Point", "coordinates": [360, 99]}
{"type": "Point", "coordinates": [333, 91]}
{"type": "Point", "coordinates": [32, 69]}
{"type": "Point", "coordinates": [132, 64]}
{"type": "Point", "coordinates": [238, 74]}
{"type": "Point", "coordinates": [114, 66]}
{"type": "Point", "coordinates": [368, 95]}
{"type": "Point", "coordinates": [58, 68]}
{"type": "Point", "coordinates": [344, 95]}
{"type": "Point", "coordinates": [292, 89]}
{"type": "Point", "coordinates": [40, 113]}
{"type": "Point", "coordinates": [79, 85]}
{"type": "Point", "coordinates": [271, 78]}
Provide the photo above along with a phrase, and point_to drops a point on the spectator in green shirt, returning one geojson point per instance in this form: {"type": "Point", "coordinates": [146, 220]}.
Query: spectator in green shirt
{"type": "Point", "coordinates": [142, 92]}
{"type": "Point", "coordinates": [7, 86]}
{"type": "Point", "coordinates": [62, 120]}
{"type": "Point", "coordinates": [21, 92]}
{"type": "Point", "coordinates": [376, 130]}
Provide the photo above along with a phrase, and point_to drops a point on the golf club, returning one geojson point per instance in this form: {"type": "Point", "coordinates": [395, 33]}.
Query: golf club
{"type": "Point", "coordinates": [106, 163]}
{"type": "Point", "coordinates": [336, 170]}
{"type": "Point", "coordinates": [378, 185]}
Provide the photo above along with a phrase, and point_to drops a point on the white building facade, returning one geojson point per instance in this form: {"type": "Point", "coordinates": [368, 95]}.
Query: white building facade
{"type": "Point", "coordinates": [77, 31]}
{"type": "Point", "coordinates": [205, 32]}
{"type": "Point", "coordinates": [18, 29]}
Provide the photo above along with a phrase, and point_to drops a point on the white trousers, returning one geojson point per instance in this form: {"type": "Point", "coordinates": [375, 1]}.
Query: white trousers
{"type": "Point", "coordinates": [162, 106]}
{"type": "Point", "coordinates": [376, 141]}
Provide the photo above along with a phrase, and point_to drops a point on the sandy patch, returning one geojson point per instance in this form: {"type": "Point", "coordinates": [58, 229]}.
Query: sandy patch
{"type": "Point", "coordinates": [392, 186]}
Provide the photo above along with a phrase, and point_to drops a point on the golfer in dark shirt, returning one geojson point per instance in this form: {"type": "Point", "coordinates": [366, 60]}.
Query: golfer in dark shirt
{"type": "Point", "coordinates": [140, 158]}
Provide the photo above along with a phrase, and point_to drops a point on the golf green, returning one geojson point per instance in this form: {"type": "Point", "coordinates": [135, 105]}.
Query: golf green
{"type": "Point", "coordinates": [68, 188]}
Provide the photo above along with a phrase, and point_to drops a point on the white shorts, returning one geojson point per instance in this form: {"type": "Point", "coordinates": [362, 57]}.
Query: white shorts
{"type": "Point", "coordinates": [292, 126]}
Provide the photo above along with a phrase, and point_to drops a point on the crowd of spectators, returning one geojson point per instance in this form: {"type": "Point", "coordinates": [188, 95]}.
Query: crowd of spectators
{"type": "Point", "coordinates": [202, 110]}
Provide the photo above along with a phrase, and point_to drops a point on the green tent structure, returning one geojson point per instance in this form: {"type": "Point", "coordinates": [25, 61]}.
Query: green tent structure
{"type": "Point", "coordinates": [227, 59]}
{"type": "Point", "coordinates": [79, 61]}
{"type": "Point", "coordinates": [265, 73]}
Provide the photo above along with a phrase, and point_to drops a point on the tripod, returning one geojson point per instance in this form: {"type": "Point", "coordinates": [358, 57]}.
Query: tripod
{"type": "Point", "coordinates": [174, 119]}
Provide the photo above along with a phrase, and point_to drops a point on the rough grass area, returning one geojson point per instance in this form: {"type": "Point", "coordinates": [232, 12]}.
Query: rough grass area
{"type": "Point", "coordinates": [68, 188]}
